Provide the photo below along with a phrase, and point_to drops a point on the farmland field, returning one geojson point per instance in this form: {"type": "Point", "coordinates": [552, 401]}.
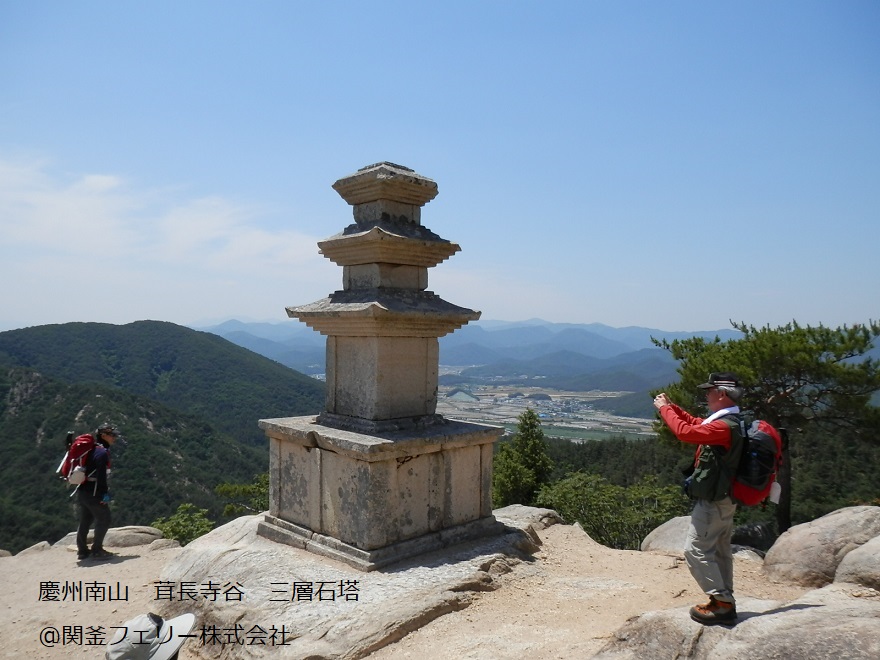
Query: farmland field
{"type": "Point", "coordinates": [563, 414]}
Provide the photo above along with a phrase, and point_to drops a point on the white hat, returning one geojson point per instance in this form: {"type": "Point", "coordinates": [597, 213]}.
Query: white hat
{"type": "Point", "coordinates": [149, 637]}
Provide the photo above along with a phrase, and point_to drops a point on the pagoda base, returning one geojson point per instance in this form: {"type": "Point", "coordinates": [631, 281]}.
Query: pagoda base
{"type": "Point", "coordinates": [373, 499]}
{"type": "Point", "coordinates": [282, 531]}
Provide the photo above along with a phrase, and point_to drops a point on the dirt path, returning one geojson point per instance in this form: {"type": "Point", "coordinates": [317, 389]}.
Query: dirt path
{"type": "Point", "coordinates": [568, 602]}
{"type": "Point", "coordinates": [25, 613]}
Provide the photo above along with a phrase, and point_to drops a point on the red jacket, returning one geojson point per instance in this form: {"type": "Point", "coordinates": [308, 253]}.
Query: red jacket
{"type": "Point", "coordinates": [690, 429]}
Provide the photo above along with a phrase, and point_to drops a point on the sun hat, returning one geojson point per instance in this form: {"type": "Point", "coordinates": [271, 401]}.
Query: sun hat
{"type": "Point", "coordinates": [725, 378]}
{"type": "Point", "coordinates": [149, 637]}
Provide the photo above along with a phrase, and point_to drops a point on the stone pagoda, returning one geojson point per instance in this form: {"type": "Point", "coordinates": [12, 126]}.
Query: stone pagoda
{"type": "Point", "coordinates": [378, 476]}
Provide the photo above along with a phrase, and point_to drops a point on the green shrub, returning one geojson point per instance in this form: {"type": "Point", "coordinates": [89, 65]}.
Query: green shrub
{"type": "Point", "coordinates": [187, 523]}
{"type": "Point", "coordinates": [614, 516]}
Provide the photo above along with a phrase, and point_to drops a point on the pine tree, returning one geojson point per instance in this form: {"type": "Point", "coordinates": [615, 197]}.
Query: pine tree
{"type": "Point", "coordinates": [797, 378]}
{"type": "Point", "coordinates": [522, 465]}
{"type": "Point", "coordinates": [245, 498]}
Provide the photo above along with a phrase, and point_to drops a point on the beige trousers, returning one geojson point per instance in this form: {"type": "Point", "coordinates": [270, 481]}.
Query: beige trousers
{"type": "Point", "coordinates": [707, 551]}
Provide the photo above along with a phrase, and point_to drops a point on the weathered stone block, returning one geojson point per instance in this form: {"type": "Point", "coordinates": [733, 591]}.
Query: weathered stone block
{"type": "Point", "coordinates": [386, 209]}
{"type": "Point", "coordinates": [354, 493]}
{"type": "Point", "coordinates": [419, 483]}
{"type": "Point", "coordinates": [369, 276]}
{"type": "Point", "coordinates": [382, 377]}
{"type": "Point", "coordinates": [296, 469]}
{"type": "Point", "coordinates": [356, 502]}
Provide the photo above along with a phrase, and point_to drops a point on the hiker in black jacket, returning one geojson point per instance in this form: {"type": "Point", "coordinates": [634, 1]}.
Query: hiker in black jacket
{"type": "Point", "coordinates": [94, 498]}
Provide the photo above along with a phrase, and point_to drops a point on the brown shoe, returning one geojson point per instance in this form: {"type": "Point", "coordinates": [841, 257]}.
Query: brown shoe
{"type": "Point", "coordinates": [715, 611]}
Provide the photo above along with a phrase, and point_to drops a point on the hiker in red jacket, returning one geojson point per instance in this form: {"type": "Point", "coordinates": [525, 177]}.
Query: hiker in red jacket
{"type": "Point", "coordinates": [707, 551]}
{"type": "Point", "coordinates": [94, 499]}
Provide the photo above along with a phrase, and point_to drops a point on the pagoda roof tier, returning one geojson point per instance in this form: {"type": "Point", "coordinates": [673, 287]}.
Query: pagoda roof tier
{"type": "Point", "coordinates": [383, 312]}
{"type": "Point", "coordinates": [386, 181]}
{"type": "Point", "coordinates": [384, 244]}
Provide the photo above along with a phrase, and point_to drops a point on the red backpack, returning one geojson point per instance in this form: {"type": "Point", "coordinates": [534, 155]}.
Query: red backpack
{"type": "Point", "coordinates": [73, 466]}
{"type": "Point", "coordinates": [758, 463]}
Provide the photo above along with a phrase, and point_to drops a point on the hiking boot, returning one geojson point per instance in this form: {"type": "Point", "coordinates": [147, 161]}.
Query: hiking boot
{"type": "Point", "coordinates": [102, 554]}
{"type": "Point", "coordinates": [715, 611]}
{"type": "Point", "coordinates": [83, 554]}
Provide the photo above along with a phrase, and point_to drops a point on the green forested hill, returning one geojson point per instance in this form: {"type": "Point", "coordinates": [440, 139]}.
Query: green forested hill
{"type": "Point", "coordinates": [195, 372]}
{"type": "Point", "coordinates": [165, 458]}
{"type": "Point", "coordinates": [186, 402]}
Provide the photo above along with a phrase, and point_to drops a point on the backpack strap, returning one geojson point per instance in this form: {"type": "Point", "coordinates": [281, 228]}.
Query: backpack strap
{"type": "Point", "coordinates": [734, 454]}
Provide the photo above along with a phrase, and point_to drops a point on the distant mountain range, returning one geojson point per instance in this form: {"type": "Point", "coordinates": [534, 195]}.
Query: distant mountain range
{"type": "Point", "coordinates": [490, 340]}
{"type": "Point", "coordinates": [479, 343]}
{"type": "Point", "coordinates": [566, 356]}
{"type": "Point", "coordinates": [292, 344]}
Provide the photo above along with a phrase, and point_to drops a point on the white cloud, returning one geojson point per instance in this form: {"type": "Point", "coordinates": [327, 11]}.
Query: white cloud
{"type": "Point", "coordinates": [39, 213]}
{"type": "Point", "coordinates": [98, 182]}
{"type": "Point", "coordinates": [96, 247]}
{"type": "Point", "coordinates": [222, 236]}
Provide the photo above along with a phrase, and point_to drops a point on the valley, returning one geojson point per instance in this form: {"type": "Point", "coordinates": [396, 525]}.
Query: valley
{"type": "Point", "coordinates": [570, 415]}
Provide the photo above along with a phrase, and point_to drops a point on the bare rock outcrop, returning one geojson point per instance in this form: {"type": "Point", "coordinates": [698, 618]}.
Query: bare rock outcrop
{"type": "Point", "coordinates": [669, 538]}
{"type": "Point", "coordinates": [326, 608]}
{"type": "Point", "coordinates": [520, 516]}
{"type": "Point", "coordinates": [120, 537]}
{"type": "Point", "coordinates": [837, 621]}
{"type": "Point", "coordinates": [862, 565]}
{"type": "Point", "coordinates": [809, 554]}
{"type": "Point", "coordinates": [42, 546]}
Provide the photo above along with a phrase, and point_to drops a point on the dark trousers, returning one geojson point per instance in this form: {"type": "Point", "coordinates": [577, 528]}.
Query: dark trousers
{"type": "Point", "coordinates": [91, 511]}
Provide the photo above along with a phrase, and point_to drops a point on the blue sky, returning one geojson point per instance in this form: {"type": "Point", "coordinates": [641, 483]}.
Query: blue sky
{"type": "Point", "coordinates": [673, 165]}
